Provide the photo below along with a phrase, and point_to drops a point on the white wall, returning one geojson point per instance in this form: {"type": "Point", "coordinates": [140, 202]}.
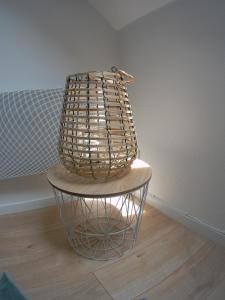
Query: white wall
{"type": "Point", "coordinates": [43, 41]}
{"type": "Point", "coordinates": [177, 54]}
{"type": "Point", "coordinates": [25, 193]}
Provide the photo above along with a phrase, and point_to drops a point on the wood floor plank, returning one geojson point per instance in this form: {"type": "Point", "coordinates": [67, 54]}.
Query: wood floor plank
{"type": "Point", "coordinates": [154, 226]}
{"type": "Point", "coordinates": [195, 280]}
{"type": "Point", "coordinates": [34, 259]}
{"type": "Point", "coordinates": [218, 293]}
{"type": "Point", "coordinates": [34, 246]}
{"type": "Point", "coordinates": [23, 223]}
{"type": "Point", "coordinates": [127, 278]}
{"type": "Point", "coordinates": [86, 287]}
{"type": "Point", "coordinates": [35, 250]}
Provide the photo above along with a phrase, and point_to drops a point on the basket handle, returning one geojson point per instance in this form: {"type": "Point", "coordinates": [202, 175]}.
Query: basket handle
{"type": "Point", "coordinates": [129, 79]}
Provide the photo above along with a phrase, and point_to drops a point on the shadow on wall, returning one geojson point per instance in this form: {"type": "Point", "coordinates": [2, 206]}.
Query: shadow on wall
{"type": "Point", "coordinates": [177, 54]}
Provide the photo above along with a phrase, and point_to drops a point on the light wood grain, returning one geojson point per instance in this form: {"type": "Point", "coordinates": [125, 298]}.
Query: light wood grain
{"type": "Point", "coordinates": [127, 278]}
{"type": "Point", "coordinates": [85, 287]}
{"type": "Point", "coordinates": [139, 173]}
{"type": "Point", "coordinates": [196, 279]}
{"type": "Point", "coordinates": [218, 293]}
{"type": "Point", "coordinates": [168, 262]}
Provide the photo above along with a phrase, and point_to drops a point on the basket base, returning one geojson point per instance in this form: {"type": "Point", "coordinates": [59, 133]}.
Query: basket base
{"type": "Point", "coordinates": [99, 176]}
{"type": "Point", "coordinates": [102, 238]}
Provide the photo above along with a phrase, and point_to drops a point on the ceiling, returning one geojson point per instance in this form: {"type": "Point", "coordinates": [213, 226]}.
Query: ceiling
{"type": "Point", "coordinates": [120, 13]}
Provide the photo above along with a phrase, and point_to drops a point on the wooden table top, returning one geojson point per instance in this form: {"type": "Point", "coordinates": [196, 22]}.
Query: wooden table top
{"type": "Point", "coordinates": [60, 178]}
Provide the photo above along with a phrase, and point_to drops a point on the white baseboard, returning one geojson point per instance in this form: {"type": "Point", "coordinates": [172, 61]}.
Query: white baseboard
{"type": "Point", "coordinates": [189, 221]}
{"type": "Point", "coordinates": [25, 193]}
{"type": "Point", "coordinates": [20, 206]}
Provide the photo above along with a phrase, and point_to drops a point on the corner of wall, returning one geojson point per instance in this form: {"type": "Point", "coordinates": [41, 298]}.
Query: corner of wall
{"type": "Point", "coordinates": [215, 234]}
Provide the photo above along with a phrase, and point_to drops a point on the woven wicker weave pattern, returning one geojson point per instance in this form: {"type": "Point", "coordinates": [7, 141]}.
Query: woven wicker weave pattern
{"type": "Point", "coordinates": [97, 134]}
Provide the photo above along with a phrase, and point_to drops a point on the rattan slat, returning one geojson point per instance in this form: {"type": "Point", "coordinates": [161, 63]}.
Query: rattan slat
{"type": "Point", "coordinates": [97, 125]}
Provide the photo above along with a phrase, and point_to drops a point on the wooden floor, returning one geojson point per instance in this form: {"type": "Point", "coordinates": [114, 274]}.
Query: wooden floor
{"type": "Point", "coordinates": [168, 262]}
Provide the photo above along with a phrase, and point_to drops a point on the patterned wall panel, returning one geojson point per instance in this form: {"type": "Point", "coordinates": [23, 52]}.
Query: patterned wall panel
{"type": "Point", "coordinates": [29, 124]}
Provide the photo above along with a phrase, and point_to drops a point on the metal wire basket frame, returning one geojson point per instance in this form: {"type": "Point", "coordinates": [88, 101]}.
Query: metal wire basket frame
{"type": "Point", "coordinates": [102, 228]}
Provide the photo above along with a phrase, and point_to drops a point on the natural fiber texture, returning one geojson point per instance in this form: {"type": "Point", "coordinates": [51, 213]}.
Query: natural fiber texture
{"type": "Point", "coordinates": [97, 135]}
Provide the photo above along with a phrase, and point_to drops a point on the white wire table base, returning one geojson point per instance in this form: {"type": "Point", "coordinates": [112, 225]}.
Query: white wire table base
{"type": "Point", "coordinates": [102, 228]}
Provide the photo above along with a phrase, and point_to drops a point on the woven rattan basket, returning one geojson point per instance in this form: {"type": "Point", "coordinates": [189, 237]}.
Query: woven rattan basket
{"type": "Point", "coordinates": [97, 134]}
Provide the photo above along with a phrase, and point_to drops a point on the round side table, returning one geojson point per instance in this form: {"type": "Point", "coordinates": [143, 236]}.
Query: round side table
{"type": "Point", "coordinates": [101, 218]}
